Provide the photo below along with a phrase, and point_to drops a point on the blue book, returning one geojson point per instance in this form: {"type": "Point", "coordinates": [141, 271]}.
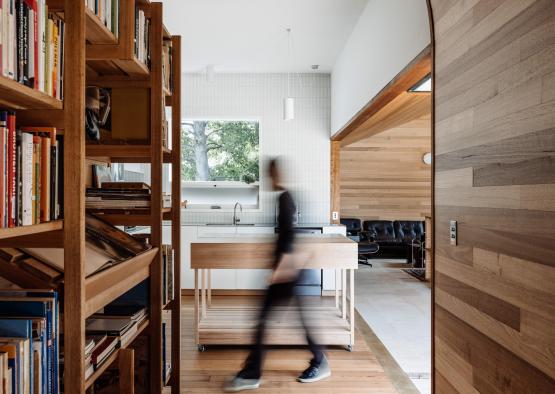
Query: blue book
{"type": "Point", "coordinates": [37, 304]}
{"type": "Point", "coordinates": [20, 328]}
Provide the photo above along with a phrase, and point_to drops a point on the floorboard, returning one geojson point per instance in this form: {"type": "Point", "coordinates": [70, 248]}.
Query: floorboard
{"type": "Point", "coordinates": [352, 372]}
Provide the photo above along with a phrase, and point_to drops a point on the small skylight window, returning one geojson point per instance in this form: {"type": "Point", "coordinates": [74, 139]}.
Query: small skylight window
{"type": "Point", "coordinates": [423, 86]}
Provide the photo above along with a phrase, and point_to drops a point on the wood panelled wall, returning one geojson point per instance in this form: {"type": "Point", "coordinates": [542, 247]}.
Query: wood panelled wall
{"type": "Point", "coordinates": [384, 177]}
{"type": "Point", "coordinates": [495, 174]}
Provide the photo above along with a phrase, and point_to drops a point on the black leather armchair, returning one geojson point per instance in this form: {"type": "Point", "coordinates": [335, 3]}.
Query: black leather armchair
{"type": "Point", "coordinates": [396, 239]}
{"type": "Point", "coordinates": [353, 226]}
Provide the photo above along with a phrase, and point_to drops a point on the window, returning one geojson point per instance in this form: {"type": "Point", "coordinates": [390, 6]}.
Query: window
{"type": "Point", "coordinates": [220, 163]}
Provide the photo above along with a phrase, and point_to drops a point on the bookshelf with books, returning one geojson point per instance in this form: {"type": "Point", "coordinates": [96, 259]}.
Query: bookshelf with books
{"type": "Point", "coordinates": [94, 50]}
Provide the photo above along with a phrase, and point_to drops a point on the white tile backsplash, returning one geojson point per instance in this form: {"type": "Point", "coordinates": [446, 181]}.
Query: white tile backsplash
{"type": "Point", "coordinates": [302, 144]}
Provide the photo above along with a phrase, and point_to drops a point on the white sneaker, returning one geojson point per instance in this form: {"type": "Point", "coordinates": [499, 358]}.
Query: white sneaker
{"type": "Point", "coordinates": [240, 384]}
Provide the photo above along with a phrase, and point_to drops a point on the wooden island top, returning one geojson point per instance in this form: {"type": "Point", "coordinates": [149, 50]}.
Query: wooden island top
{"type": "Point", "coordinates": [319, 251]}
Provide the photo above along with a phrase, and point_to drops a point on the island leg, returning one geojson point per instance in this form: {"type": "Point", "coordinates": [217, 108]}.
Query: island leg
{"type": "Point", "coordinates": [197, 317]}
{"type": "Point", "coordinates": [344, 293]}
{"type": "Point", "coordinates": [352, 306]}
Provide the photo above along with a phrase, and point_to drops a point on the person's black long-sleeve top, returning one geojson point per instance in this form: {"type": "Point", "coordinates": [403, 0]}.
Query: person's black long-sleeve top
{"type": "Point", "coordinates": [286, 216]}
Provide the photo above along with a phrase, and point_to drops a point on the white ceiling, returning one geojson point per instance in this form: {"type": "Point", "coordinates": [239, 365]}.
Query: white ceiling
{"type": "Point", "coordinates": [250, 35]}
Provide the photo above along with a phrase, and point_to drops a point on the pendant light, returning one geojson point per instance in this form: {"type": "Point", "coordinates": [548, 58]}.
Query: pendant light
{"type": "Point", "coordinates": [289, 102]}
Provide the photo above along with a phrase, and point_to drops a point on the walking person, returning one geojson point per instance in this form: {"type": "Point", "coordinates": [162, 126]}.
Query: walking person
{"type": "Point", "coordinates": [282, 289]}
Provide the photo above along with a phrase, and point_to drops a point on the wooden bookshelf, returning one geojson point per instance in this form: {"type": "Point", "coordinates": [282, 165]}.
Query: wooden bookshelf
{"type": "Point", "coordinates": [119, 58]}
{"type": "Point", "coordinates": [125, 153]}
{"type": "Point", "coordinates": [107, 285]}
{"type": "Point", "coordinates": [7, 233]}
{"type": "Point", "coordinates": [93, 54]}
{"type": "Point", "coordinates": [97, 33]}
{"type": "Point", "coordinates": [136, 217]}
{"type": "Point", "coordinates": [15, 95]}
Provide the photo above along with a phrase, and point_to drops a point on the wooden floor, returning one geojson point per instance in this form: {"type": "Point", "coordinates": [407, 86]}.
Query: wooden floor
{"type": "Point", "coordinates": [352, 372]}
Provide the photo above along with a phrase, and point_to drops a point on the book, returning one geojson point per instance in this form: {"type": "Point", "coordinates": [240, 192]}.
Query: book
{"type": "Point", "coordinates": [39, 306]}
{"type": "Point", "coordinates": [103, 350]}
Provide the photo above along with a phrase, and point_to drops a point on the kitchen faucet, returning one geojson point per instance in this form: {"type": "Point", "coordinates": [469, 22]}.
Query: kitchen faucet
{"type": "Point", "coordinates": [235, 218]}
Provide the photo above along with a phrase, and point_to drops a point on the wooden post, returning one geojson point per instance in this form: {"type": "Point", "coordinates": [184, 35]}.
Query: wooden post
{"type": "Point", "coordinates": [126, 366]}
{"type": "Point", "coordinates": [74, 203]}
{"type": "Point", "coordinates": [335, 181]}
{"type": "Point", "coordinates": [197, 317]}
{"type": "Point", "coordinates": [156, 97]}
{"type": "Point", "coordinates": [176, 212]}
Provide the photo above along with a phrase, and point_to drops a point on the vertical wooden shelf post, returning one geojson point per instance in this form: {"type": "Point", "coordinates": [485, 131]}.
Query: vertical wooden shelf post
{"type": "Point", "coordinates": [74, 203]}
{"type": "Point", "coordinates": [157, 105]}
{"type": "Point", "coordinates": [176, 213]}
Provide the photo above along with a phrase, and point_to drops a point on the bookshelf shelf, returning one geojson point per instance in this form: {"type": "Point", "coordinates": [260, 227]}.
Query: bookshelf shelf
{"type": "Point", "coordinates": [131, 217]}
{"type": "Point", "coordinates": [18, 96]}
{"type": "Point", "coordinates": [96, 31]}
{"type": "Point", "coordinates": [114, 356]}
{"type": "Point", "coordinates": [107, 285]}
{"type": "Point", "coordinates": [120, 153]}
{"type": "Point", "coordinates": [21, 231]}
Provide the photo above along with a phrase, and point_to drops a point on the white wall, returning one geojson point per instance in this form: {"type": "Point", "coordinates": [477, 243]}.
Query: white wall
{"type": "Point", "coordinates": [388, 35]}
{"type": "Point", "coordinates": [302, 143]}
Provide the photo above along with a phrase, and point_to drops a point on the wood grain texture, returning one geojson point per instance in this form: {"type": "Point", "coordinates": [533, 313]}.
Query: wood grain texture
{"type": "Point", "coordinates": [495, 148]}
{"type": "Point", "coordinates": [335, 186]}
{"type": "Point", "coordinates": [156, 157]}
{"type": "Point", "coordinates": [74, 208]}
{"type": "Point", "coordinates": [176, 212]}
{"type": "Point", "coordinates": [205, 372]}
{"type": "Point", "coordinates": [328, 251]}
{"type": "Point", "coordinates": [383, 176]}
{"type": "Point", "coordinates": [415, 71]}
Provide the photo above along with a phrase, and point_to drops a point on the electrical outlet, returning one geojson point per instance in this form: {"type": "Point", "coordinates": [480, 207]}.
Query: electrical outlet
{"type": "Point", "coordinates": [453, 232]}
{"type": "Point", "coordinates": [335, 215]}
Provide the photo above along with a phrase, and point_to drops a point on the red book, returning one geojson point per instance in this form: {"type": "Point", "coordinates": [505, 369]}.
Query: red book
{"type": "Point", "coordinates": [10, 173]}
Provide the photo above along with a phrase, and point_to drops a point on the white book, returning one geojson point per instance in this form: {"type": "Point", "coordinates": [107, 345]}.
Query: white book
{"type": "Point", "coordinates": [42, 38]}
{"type": "Point", "coordinates": [109, 14]}
{"type": "Point", "coordinates": [27, 178]}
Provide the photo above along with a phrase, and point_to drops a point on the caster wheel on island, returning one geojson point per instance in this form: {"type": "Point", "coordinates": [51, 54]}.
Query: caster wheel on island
{"type": "Point", "coordinates": [201, 348]}
{"type": "Point", "coordinates": [349, 348]}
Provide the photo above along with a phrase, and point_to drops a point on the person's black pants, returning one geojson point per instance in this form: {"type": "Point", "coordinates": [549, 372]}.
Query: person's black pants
{"type": "Point", "coordinates": [277, 294]}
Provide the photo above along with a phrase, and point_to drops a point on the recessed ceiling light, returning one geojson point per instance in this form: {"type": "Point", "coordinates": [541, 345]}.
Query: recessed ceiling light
{"type": "Point", "coordinates": [422, 86]}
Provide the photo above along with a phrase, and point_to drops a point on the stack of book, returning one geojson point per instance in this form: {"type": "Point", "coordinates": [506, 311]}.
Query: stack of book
{"type": "Point", "coordinates": [32, 45]}
{"type": "Point", "coordinates": [107, 11]}
{"type": "Point", "coordinates": [118, 195]}
{"type": "Point", "coordinates": [89, 347]}
{"type": "Point", "coordinates": [167, 273]}
{"type": "Point", "coordinates": [31, 174]}
{"type": "Point", "coordinates": [122, 329]}
{"type": "Point", "coordinates": [29, 341]}
{"type": "Point", "coordinates": [121, 196]}
{"type": "Point", "coordinates": [142, 34]}
{"type": "Point", "coordinates": [103, 347]}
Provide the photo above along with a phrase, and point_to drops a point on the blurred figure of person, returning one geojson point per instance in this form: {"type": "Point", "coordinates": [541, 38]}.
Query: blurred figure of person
{"type": "Point", "coordinates": [282, 289]}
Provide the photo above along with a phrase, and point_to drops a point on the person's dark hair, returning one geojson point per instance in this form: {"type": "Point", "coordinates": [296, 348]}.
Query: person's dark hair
{"type": "Point", "coordinates": [273, 167]}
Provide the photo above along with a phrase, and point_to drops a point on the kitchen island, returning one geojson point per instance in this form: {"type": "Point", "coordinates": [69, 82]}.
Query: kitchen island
{"type": "Point", "coordinates": [225, 322]}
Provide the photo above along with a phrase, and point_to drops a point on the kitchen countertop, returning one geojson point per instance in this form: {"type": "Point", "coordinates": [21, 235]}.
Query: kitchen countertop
{"type": "Point", "coordinates": [273, 225]}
